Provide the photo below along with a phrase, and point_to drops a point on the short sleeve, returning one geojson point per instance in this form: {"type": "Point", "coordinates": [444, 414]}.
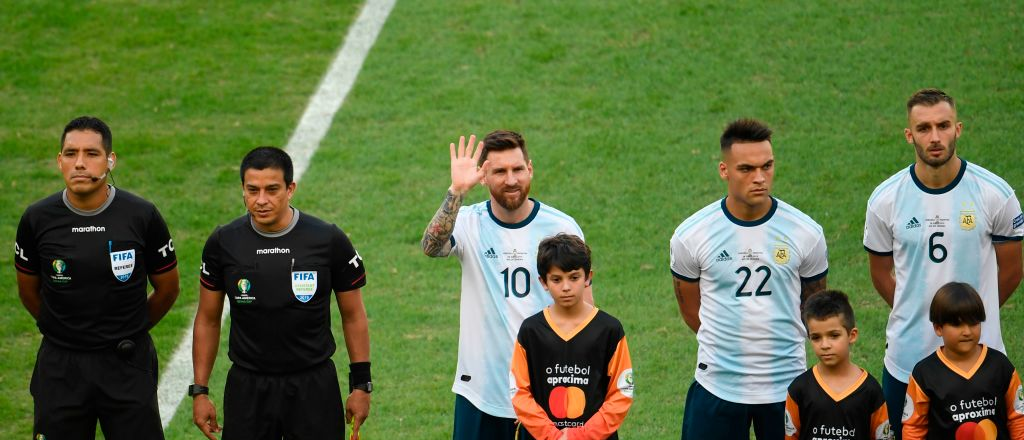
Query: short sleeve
{"type": "Point", "coordinates": [682, 262]}
{"type": "Point", "coordinates": [878, 236]}
{"type": "Point", "coordinates": [458, 239]}
{"type": "Point", "coordinates": [1008, 224]}
{"type": "Point", "coordinates": [815, 264]}
{"type": "Point", "coordinates": [347, 269]}
{"type": "Point", "coordinates": [26, 258]}
{"type": "Point", "coordinates": [160, 256]}
{"type": "Point", "coordinates": [211, 273]}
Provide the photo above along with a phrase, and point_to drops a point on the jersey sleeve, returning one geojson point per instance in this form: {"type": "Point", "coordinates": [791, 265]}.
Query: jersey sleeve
{"type": "Point", "coordinates": [815, 264]}
{"type": "Point", "coordinates": [211, 273]}
{"type": "Point", "coordinates": [26, 259]}
{"type": "Point", "coordinates": [347, 269]}
{"type": "Point", "coordinates": [1015, 407]}
{"type": "Point", "coordinates": [617, 401]}
{"type": "Point", "coordinates": [529, 412]}
{"type": "Point", "coordinates": [682, 262]}
{"type": "Point", "coordinates": [915, 423]}
{"type": "Point", "coordinates": [459, 238]}
{"type": "Point", "coordinates": [1008, 224]}
{"type": "Point", "coordinates": [160, 256]}
{"type": "Point", "coordinates": [880, 428]}
{"type": "Point", "coordinates": [878, 236]}
{"type": "Point", "coordinates": [792, 426]}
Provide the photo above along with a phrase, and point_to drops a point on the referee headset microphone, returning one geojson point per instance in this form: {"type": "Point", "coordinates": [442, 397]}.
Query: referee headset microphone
{"type": "Point", "coordinates": [110, 167]}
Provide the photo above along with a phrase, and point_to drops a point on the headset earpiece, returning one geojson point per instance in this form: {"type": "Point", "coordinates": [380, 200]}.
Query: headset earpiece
{"type": "Point", "coordinates": [110, 163]}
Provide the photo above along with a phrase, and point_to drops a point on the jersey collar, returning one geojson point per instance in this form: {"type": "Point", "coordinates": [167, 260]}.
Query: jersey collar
{"type": "Point", "coordinates": [760, 221]}
{"type": "Point", "coordinates": [945, 189]}
{"type": "Point", "coordinates": [110, 199]}
{"type": "Point", "coordinates": [526, 221]}
{"type": "Point", "coordinates": [281, 233]}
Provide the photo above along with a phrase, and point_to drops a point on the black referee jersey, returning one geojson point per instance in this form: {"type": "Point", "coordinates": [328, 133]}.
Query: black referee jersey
{"type": "Point", "coordinates": [944, 402]}
{"type": "Point", "coordinates": [815, 411]}
{"type": "Point", "coordinates": [279, 286]}
{"type": "Point", "coordinates": [93, 266]}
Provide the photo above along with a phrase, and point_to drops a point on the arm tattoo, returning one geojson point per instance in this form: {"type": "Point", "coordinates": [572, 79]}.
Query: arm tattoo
{"type": "Point", "coordinates": [808, 288]}
{"type": "Point", "coordinates": [440, 228]}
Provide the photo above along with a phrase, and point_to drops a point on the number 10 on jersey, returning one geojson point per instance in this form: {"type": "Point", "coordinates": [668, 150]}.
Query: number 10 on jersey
{"type": "Point", "coordinates": [517, 281]}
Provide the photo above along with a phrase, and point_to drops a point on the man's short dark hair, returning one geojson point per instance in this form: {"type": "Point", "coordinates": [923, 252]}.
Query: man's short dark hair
{"type": "Point", "coordinates": [955, 303]}
{"type": "Point", "coordinates": [826, 304]}
{"type": "Point", "coordinates": [928, 98]}
{"type": "Point", "coordinates": [745, 131]}
{"type": "Point", "coordinates": [501, 140]}
{"type": "Point", "coordinates": [564, 251]}
{"type": "Point", "coordinates": [90, 123]}
{"type": "Point", "coordinates": [261, 158]}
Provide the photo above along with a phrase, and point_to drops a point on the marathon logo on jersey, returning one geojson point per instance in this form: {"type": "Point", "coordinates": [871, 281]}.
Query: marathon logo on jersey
{"type": "Point", "coordinates": [490, 254]}
{"type": "Point", "coordinates": [967, 220]}
{"type": "Point", "coordinates": [1018, 221]}
{"type": "Point", "coordinates": [724, 256]}
{"type": "Point", "coordinates": [122, 263]}
{"type": "Point", "coordinates": [304, 285]}
{"type": "Point", "coordinates": [913, 223]}
{"type": "Point", "coordinates": [275, 250]}
{"type": "Point", "coordinates": [89, 229]}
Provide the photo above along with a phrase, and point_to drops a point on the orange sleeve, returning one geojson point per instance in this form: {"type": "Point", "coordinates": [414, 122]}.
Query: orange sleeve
{"type": "Point", "coordinates": [530, 414]}
{"type": "Point", "coordinates": [880, 419]}
{"type": "Point", "coordinates": [792, 419]}
{"type": "Point", "coordinates": [1015, 407]}
{"type": "Point", "coordinates": [617, 401]}
{"type": "Point", "coordinates": [916, 427]}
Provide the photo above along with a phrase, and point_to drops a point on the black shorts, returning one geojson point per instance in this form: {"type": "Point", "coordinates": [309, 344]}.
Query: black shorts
{"type": "Point", "coordinates": [72, 390]}
{"type": "Point", "coordinates": [295, 406]}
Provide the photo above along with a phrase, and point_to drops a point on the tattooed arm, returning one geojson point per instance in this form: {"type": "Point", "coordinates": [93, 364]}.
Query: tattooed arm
{"type": "Point", "coordinates": [808, 288]}
{"type": "Point", "coordinates": [436, 238]}
{"type": "Point", "coordinates": [465, 175]}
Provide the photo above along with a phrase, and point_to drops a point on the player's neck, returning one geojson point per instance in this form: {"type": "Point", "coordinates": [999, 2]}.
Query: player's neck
{"type": "Point", "coordinates": [938, 177]}
{"type": "Point", "coordinates": [568, 318]}
{"type": "Point", "coordinates": [512, 216]}
{"type": "Point", "coordinates": [841, 376]}
{"type": "Point", "coordinates": [747, 212]}
{"type": "Point", "coordinates": [963, 361]}
{"type": "Point", "coordinates": [89, 201]}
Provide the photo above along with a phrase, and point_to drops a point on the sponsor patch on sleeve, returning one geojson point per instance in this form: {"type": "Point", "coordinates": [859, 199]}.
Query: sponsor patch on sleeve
{"type": "Point", "coordinates": [1018, 220]}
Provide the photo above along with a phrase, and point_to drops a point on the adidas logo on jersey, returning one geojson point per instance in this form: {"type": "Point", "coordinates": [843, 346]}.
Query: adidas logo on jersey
{"type": "Point", "coordinates": [724, 256]}
{"type": "Point", "coordinates": [913, 223]}
{"type": "Point", "coordinates": [490, 253]}
{"type": "Point", "coordinates": [89, 229]}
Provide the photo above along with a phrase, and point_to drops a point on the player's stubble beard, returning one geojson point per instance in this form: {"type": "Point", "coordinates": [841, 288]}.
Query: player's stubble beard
{"type": "Point", "coordinates": [511, 203]}
{"type": "Point", "coordinates": [938, 162]}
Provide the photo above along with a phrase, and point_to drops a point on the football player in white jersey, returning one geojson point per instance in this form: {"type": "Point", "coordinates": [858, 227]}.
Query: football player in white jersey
{"type": "Point", "coordinates": [742, 266]}
{"type": "Point", "coordinates": [939, 220]}
{"type": "Point", "coordinates": [496, 243]}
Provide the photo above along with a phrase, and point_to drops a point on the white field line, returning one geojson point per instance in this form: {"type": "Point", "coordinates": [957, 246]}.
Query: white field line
{"type": "Point", "coordinates": [312, 128]}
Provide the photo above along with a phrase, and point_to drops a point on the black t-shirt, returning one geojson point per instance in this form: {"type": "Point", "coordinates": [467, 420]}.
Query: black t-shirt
{"type": "Point", "coordinates": [93, 266]}
{"type": "Point", "coordinates": [279, 286]}
{"type": "Point", "coordinates": [815, 412]}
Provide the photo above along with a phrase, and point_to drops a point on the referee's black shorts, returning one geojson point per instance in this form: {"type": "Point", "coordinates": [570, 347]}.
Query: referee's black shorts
{"type": "Point", "coordinates": [296, 406]}
{"type": "Point", "coordinates": [72, 390]}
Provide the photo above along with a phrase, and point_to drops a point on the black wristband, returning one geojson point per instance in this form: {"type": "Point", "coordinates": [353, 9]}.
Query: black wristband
{"type": "Point", "coordinates": [358, 373]}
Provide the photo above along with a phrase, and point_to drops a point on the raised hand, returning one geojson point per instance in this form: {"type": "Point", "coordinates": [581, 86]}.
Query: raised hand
{"type": "Point", "coordinates": [465, 174]}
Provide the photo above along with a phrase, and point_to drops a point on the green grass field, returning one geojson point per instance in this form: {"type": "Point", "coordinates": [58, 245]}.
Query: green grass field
{"type": "Point", "coordinates": [621, 103]}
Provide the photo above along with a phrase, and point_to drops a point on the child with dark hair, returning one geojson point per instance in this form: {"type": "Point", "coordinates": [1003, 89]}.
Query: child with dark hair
{"type": "Point", "coordinates": [835, 398]}
{"type": "Point", "coordinates": [573, 374]}
{"type": "Point", "coordinates": [963, 390]}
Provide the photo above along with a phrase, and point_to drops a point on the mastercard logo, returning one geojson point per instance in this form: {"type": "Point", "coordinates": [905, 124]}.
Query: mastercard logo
{"type": "Point", "coordinates": [983, 430]}
{"type": "Point", "coordinates": [568, 403]}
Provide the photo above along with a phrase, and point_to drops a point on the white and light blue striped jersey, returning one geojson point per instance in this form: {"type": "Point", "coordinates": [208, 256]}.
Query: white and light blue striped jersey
{"type": "Point", "coordinates": [500, 288]}
{"type": "Point", "coordinates": [751, 338]}
{"type": "Point", "coordinates": [936, 236]}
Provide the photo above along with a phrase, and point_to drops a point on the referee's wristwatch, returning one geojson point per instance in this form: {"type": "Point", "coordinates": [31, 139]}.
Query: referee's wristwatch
{"type": "Point", "coordinates": [196, 389]}
{"type": "Point", "coordinates": [366, 387]}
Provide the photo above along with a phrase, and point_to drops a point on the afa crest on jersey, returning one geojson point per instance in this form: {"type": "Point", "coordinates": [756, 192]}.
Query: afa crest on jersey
{"type": "Point", "coordinates": [304, 285]}
{"type": "Point", "coordinates": [967, 220]}
{"type": "Point", "coordinates": [781, 254]}
{"type": "Point", "coordinates": [123, 264]}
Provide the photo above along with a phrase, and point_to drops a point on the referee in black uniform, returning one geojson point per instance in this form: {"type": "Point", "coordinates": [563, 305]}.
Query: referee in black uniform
{"type": "Point", "coordinates": [278, 266]}
{"type": "Point", "coordinates": [84, 256]}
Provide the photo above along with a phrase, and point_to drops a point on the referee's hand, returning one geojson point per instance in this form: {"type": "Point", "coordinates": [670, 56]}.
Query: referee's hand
{"type": "Point", "coordinates": [357, 408]}
{"type": "Point", "coordinates": [204, 415]}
